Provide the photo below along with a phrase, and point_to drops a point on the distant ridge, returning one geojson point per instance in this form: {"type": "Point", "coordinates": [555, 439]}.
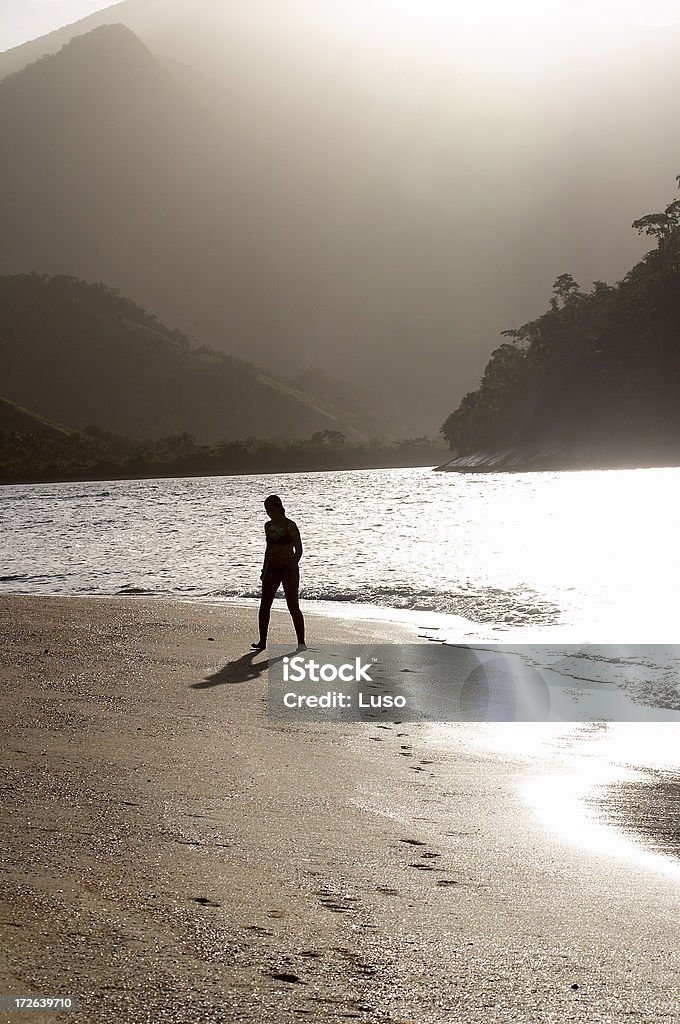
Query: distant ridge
{"type": "Point", "coordinates": [82, 354]}
{"type": "Point", "coordinates": [105, 49]}
{"type": "Point", "coordinates": [17, 57]}
{"type": "Point", "coordinates": [16, 420]}
{"type": "Point", "coordinates": [110, 37]}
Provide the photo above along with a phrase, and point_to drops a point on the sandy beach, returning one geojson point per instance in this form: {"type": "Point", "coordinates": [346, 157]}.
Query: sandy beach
{"type": "Point", "coordinates": [171, 854]}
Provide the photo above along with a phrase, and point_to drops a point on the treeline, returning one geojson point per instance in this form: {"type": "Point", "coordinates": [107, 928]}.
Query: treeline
{"type": "Point", "coordinates": [98, 455]}
{"type": "Point", "coordinates": [601, 367]}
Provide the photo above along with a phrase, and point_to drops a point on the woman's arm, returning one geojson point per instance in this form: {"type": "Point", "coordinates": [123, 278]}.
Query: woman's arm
{"type": "Point", "coordinates": [297, 543]}
{"type": "Point", "coordinates": [266, 553]}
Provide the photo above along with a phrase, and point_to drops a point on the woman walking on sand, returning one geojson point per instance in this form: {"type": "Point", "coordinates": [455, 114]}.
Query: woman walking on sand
{"type": "Point", "coordinates": [281, 558]}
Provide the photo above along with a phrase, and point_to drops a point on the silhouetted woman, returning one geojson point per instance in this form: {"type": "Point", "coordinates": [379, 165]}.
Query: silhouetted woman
{"type": "Point", "coordinates": [281, 557]}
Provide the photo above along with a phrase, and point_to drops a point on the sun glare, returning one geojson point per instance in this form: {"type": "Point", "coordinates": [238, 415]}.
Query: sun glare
{"type": "Point", "coordinates": [493, 26]}
{"type": "Point", "coordinates": [522, 15]}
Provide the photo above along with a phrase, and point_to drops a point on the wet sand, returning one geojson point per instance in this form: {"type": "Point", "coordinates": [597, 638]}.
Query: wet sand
{"type": "Point", "coordinates": [648, 809]}
{"type": "Point", "coordinates": [169, 854]}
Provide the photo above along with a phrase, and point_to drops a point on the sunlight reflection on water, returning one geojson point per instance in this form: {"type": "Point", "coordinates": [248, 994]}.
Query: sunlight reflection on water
{"type": "Point", "coordinates": [571, 767]}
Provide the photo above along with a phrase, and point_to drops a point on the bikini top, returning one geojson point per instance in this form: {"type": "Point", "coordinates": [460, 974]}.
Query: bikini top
{"type": "Point", "coordinates": [278, 533]}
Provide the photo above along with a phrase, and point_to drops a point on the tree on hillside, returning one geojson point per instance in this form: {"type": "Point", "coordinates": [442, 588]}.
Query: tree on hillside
{"type": "Point", "coordinates": [597, 367]}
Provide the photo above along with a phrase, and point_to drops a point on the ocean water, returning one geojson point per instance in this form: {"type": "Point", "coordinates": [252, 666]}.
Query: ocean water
{"type": "Point", "coordinates": [585, 556]}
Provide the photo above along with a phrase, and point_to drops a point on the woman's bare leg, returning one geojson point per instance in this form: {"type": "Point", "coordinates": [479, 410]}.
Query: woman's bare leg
{"type": "Point", "coordinates": [291, 586]}
{"type": "Point", "coordinates": [269, 587]}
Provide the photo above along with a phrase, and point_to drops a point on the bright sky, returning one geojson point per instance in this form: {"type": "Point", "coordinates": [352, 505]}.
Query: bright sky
{"type": "Point", "coordinates": [21, 20]}
{"type": "Point", "coordinates": [523, 13]}
{"type": "Point", "coordinates": [401, 21]}
{"type": "Point", "coordinates": [517, 22]}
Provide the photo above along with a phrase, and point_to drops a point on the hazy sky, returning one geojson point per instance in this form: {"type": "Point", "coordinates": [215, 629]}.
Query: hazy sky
{"type": "Point", "coordinates": [21, 20]}
{"type": "Point", "coordinates": [400, 20]}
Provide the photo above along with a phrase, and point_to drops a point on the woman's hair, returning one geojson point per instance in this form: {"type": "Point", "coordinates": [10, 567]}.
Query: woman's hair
{"type": "Point", "coordinates": [274, 499]}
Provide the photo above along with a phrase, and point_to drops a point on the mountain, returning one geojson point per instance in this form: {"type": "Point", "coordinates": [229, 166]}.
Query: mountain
{"type": "Point", "coordinates": [286, 183]}
{"type": "Point", "coordinates": [83, 355]}
{"type": "Point", "coordinates": [18, 57]}
{"type": "Point", "coordinates": [100, 165]}
{"type": "Point", "coordinates": [117, 172]}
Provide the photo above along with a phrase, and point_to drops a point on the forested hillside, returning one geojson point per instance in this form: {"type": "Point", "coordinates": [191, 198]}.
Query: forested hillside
{"type": "Point", "coordinates": [597, 368]}
{"type": "Point", "coordinates": [83, 355]}
{"type": "Point", "coordinates": [22, 422]}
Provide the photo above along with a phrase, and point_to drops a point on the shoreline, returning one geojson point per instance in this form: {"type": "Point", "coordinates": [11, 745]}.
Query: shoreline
{"type": "Point", "coordinates": [417, 620]}
{"type": "Point", "coordinates": [406, 619]}
{"type": "Point", "coordinates": [509, 462]}
{"type": "Point", "coordinates": [175, 853]}
{"type": "Point", "coordinates": [435, 626]}
{"type": "Point", "coordinates": [559, 459]}
{"type": "Point", "coordinates": [105, 476]}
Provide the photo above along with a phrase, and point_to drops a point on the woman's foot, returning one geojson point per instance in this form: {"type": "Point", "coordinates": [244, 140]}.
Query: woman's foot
{"type": "Point", "coordinates": [259, 646]}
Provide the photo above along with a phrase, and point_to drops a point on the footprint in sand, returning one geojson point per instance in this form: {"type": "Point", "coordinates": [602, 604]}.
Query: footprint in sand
{"type": "Point", "coordinates": [413, 842]}
{"type": "Point", "coordinates": [337, 908]}
{"type": "Point", "coordinates": [205, 902]}
{"type": "Point", "coordinates": [335, 903]}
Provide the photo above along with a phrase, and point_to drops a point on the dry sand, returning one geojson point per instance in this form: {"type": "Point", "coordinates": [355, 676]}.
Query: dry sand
{"type": "Point", "coordinates": [169, 854]}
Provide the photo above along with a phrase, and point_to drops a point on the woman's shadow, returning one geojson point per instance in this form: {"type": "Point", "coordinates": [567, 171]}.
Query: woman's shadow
{"type": "Point", "coordinates": [242, 670]}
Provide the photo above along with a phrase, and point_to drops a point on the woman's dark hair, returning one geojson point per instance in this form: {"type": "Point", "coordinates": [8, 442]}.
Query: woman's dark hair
{"type": "Point", "coordinates": [274, 499]}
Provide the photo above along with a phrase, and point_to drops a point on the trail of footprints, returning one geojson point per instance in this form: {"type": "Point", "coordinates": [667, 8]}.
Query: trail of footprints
{"type": "Point", "coordinates": [290, 970]}
{"type": "Point", "coordinates": [286, 970]}
{"type": "Point", "coordinates": [423, 863]}
{"type": "Point", "coordinates": [406, 750]}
